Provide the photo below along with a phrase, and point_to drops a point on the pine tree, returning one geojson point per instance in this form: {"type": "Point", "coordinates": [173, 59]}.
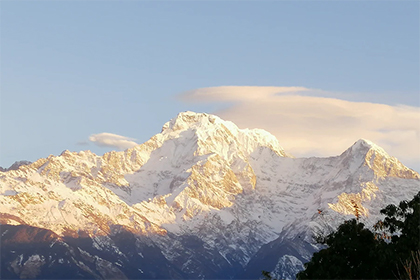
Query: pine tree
{"type": "Point", "coordinates": [356, 210]}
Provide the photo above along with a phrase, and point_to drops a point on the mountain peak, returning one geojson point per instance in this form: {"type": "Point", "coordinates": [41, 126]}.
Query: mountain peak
{"type": "Point", "coordinates": [362, 147]}
{"type": "Point", "coordinates": [368, 153]}
{"type": "Point", "coordinates": [186, 120]}
{"type": "Point", "coordinates": [212, 131]}
{"type": "Point", "coordinates": [364, 144]}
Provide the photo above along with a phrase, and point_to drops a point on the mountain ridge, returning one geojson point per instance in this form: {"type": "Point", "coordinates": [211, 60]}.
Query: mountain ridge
{"type": "Point", "coordinates": [204, 182]}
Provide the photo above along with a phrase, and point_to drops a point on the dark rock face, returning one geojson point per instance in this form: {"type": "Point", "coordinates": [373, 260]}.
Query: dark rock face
{"type": "Point", "coordinates": [34, 253]}
{"type": "Point", "coordinates": [29, 252]}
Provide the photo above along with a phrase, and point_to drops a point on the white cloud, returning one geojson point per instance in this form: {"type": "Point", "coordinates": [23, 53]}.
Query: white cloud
{"type": "Point", "coordinates": [112, 140]}
{"type": "Point", "coordinates": [235, 93]}
{"type": "Point", "coordinates": [309, 125]}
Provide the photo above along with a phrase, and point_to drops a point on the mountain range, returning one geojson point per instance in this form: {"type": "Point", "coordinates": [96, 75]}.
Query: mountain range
{"type": "Point", "coordinates": [203, 199]}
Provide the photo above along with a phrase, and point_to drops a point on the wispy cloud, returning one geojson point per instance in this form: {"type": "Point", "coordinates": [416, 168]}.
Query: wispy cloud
{"type": "Point", "coordinates": [82, 143]}
{"type": "Point", "coordinates": [112, 140]}
{"type": "Point", "coordinates": [311, 122]}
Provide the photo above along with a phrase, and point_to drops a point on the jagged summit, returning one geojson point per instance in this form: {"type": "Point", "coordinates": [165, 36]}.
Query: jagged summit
{"type": "Point", "coordinates": [191, 120]}
{"type": "Point", "coordinates": [366, 153]}
{"type": "Point", "coordinates": [215, 134]}
{"type": "Point", "coordinates": [364, 145]}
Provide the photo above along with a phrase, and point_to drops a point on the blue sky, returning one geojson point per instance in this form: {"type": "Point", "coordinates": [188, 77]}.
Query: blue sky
{"type": "Point", "coordinates": [70, 69]}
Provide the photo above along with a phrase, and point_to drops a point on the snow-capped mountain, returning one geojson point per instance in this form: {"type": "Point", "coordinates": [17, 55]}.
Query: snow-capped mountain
{"type": "Point", "coordinates": [203, 197]}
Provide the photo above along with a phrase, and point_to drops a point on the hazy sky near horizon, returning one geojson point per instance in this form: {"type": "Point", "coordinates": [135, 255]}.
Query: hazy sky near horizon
{"type": "Point", "coordinates": [76, 74]}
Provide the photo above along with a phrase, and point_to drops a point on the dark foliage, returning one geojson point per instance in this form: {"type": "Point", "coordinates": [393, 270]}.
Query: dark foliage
{"type": "Point", "coordinates": [403, 224]}
{"type": "Point", "coordinates": [355, 252]}
{"type": "Point", "coordinates": [267, 275]}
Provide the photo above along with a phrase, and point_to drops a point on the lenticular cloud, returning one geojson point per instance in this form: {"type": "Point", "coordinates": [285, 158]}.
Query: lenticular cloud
{"type": "Point", "coordinates": [112, 140]}
{"type": "Point", "coordinates": [307, 124]}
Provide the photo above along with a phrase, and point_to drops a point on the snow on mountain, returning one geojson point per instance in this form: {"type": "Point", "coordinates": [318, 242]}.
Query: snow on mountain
{"type": "Point", "coordinates": [231, 190]}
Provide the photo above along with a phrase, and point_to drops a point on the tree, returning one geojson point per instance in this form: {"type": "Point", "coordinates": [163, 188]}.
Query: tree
{"type": "Point", "coordinates": [403, 224]}
{"type": "Point", "coordinates": [411, 267]}
{"type": "Point", "coordinates": [355, 252]}
{"type": "Point", "coordinates": [351, 254]}
{"type": "Point", "coordinates": [267, 275]}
